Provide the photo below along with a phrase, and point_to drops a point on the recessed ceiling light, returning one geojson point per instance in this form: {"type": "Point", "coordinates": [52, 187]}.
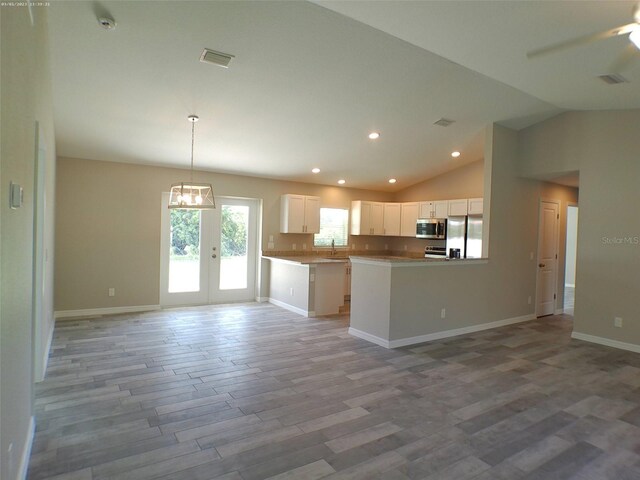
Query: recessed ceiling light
{"type": "Point", "coordinates": [315, 170]}
{"type": "Point", "coordinates": [341, 182]}
{"type": "Point", "coordinates": [392, 180]}
{"type": "Point", "coordinates": [374, 135]}
{"type": "Point", "coordinates": [455, 154]}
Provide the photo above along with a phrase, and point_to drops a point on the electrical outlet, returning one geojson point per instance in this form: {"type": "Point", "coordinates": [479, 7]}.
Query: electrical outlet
{"type": "Point", "coordinates": [271, 238]}
{"type": "Point", "coordinates": [271, 245]}
{"type": "Point", "coordinates": [353, 246]}
{"type": "Point", "coordinates": [529, 300]}
{"type": "Point", "coordinates": [312, 277]}
{"type": "Point", "coordinates": [366, 246]}
{"type": "Point", "coordinates": [617, 322]}
{"type": "Point", "coordinates": [293, 247]}
{"type": "Point", "coordinates": [291, 291]}
{"type": "Point", "coordinates": [443, 313]}
{"type": "Point", "coordinates": [112, 292]}
{"type": "Point", "coordinates": [304, 246]}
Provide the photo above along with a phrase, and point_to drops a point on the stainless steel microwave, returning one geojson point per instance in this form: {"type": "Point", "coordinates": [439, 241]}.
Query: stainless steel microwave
{"type": "Point", "coordinates": [435, 228]}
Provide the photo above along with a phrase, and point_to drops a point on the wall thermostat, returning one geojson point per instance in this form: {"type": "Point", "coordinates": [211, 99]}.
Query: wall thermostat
{"type": "Point", "coordinates": [16, 195]}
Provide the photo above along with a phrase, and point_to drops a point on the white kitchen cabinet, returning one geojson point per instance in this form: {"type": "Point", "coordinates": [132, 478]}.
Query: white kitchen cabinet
{"type": "Point", "coordinates": [434, 209]}
{"type": "Point", "coordinates": [367, 218]}
{"type": "Point", "coordinates": [391, 219]}
{"type": "Point", "coordinates": [457, 207]}
{"type": "Point", "coordinates": [475, 206]}
{"type": "Point", "coordinates": [347, 279]}
{"type": "Point", "coordinates": [408, 218]}
{"type": "Point", "coordinates": [299, 214]}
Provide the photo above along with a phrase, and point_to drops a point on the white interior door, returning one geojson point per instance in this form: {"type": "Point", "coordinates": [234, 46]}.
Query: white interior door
{"type": "Point", "coordinates": [547, 258]}
{"type": "Point", "coordinates": [208, 256]}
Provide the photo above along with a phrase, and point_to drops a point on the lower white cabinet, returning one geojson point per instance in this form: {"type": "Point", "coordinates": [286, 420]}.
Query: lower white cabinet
{"type": "Point", "coordinates": [347, 279]}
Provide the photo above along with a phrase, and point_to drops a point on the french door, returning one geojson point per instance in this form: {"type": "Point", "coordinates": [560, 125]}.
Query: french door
{"type": "Point", "coordinates": [209, 256]}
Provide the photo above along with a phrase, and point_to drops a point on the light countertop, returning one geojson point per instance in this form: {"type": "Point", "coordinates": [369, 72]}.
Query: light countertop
{"type": "Point", "coordinates": [309, 260]}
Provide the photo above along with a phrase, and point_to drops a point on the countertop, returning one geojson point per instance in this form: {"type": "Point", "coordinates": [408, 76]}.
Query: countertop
{"type": "Point", "coordinates": [379, 259]}
{"type": "Point", "coordinates": [309, 260]}
{"type": "Point", "coordinates": [392, 260]}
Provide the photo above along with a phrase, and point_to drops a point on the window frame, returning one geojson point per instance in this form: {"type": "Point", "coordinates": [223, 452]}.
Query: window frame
{"type": "Point", "coordinates": [337, 247]}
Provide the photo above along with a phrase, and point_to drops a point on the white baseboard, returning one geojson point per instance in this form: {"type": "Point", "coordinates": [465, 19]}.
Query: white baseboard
{"type": "Point", "coordinates": [632, 347]}
{"type": "Point", "coordinates": [26, 450]}
{"type": "Point", "coordinates": [262, 299]}
{"type": "Point", "coordinates": [92, 312]}
{"type": "Point", "coordinates": [370, 338]}
{"type": "Point", "coordinates": [291, 308]}
{"type": "Point", "coordinates": [403, 342]}
{"type": "Point", "coordinates": [573, 285]}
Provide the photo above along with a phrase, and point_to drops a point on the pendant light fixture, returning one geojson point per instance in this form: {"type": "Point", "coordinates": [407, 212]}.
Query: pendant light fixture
{"type": "Point", "coordinates": [191, 194]}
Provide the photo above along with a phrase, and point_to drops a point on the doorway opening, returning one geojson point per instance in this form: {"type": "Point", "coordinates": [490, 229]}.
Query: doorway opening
{"type": "Point", "coordinates": [570, 259]}
{"type": "Point", "coordinates": [209, 256]}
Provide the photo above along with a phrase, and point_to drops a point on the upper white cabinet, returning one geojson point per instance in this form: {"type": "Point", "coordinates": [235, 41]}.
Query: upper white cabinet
{"type": "Point", "coordinates": [391, 219]}
{"type": "Point", "coordinates": [367, 218]}
{"type": "Point", "coordinates": [434, 209]}
{"type": "Point", "coordinates": [408, 218]}
{"type": "Point", "coordinates": [457, 207]}
{"type": "Point", "coordinates": [299, 214]}
{"type": "Point", "coordinates": [475, 206]}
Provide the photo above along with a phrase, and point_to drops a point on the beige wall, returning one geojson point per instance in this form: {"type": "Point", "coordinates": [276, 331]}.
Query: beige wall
{"type": "Point", "coordinates": [116, 235]}
{"type": "Point", "coordinates": [603, 146]}
{"type": "Point", "coordinates": [111, 237]}
{"type": "Point", "coordinates": [464, 182]}
{"type": "Point", "coordinates": [25, 99]}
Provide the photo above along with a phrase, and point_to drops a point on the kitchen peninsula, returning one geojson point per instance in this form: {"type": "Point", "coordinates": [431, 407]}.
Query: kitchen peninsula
{"type": "Point", "coordinates": [399, 301]}
{"type": "Point", "coordinates": [308, 285]}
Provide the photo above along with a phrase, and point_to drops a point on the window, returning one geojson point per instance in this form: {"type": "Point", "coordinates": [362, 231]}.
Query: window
{"type": "Point", "coordinates": [334, 225]}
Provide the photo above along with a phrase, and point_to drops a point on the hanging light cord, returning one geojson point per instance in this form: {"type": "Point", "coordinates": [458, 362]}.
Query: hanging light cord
{"type": "Point", "coordinates": [193, 127]}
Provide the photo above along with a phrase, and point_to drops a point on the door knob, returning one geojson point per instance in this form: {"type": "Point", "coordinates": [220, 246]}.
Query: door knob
{"type": "Point", "coordinates": [213, 255]}
{"type": "Point", "coordinates": [541, 265]}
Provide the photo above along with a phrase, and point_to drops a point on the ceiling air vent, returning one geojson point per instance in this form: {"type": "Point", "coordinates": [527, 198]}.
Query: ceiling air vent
{"type": "Point", "coordinates": [216, 58]}
{"type": "Point", "coordinates": [444, 122]}
{"type": "Point", "coordinates": [613, 79]}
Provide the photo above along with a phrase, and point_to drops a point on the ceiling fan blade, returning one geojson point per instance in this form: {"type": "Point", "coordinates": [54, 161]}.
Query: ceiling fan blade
{"type": "Point", "coordinates": [623, 60]}
{"type": "Point", "coordinates": [557, 47]}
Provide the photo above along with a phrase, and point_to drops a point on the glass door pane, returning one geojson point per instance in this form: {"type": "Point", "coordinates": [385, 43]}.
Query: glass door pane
{"type": "Point", "coordinates": [234, 242]}
{"type": "Point", "coordinates": [184, 254]}
{"type": "Point", "coordinates": [186, 237]}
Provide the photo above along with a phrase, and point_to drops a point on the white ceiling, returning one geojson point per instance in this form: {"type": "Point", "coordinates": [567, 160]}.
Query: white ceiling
{"type": "Point", "coordinates": [306, 87]}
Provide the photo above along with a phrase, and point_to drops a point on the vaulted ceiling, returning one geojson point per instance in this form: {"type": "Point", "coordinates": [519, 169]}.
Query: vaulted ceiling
{"type": "Point", "coordinates": [309, 83]}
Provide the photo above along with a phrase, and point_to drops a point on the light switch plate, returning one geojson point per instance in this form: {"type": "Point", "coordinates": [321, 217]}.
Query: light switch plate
{"type": "Point", "coordinates": [16, 195]}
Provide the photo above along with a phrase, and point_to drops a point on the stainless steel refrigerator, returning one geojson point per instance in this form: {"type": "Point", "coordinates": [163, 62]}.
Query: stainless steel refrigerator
{"type": "Point", "coordinates": [465, 233]}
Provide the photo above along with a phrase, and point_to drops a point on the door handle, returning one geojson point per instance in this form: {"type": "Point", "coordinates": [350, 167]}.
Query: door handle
{"type": "Point", "coordinates": [541, 265]}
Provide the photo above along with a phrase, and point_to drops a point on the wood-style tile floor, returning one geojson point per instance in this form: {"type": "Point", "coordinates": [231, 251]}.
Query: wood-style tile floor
{"type": "Point", "coordinates": [252, 391]}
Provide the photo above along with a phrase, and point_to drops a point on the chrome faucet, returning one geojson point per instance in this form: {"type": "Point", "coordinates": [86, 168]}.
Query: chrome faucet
{"type": "Point", "coordinates": [333, 247]}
